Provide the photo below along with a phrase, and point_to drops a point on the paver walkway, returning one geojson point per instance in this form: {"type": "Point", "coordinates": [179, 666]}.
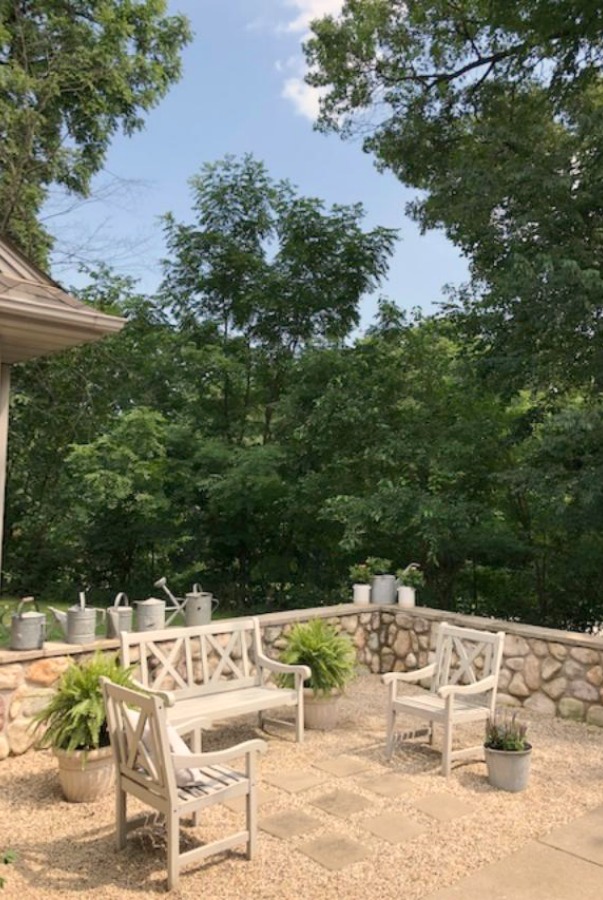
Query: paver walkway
{"type": "Point", "coordinates": [567, 863]}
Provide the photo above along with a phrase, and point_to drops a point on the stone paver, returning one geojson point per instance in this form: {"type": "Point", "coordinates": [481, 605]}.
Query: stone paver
{"type": "Point", "coordinates": [293, 782]}
{"type": "Point", "coordinates": [393, 827]}
{"type": "Point", "coordinates": [264, 795]}
{"type": "Point", "coordinates": [289, 824]}
{"type": "Point", "coordinates": [342, 803]}
{"type": "Point", "coordinates": [536, 872]}
{"type": "Point", "coordinates": [443, 807]}
{"type": "Point", "coordinates": [583, 837]}
{"type": "Point", "coordinates": [390, 785]}
{"type": "Point", "coordinates": [342, 766]}
{"type": "Point", "coordinates": [335, 851]}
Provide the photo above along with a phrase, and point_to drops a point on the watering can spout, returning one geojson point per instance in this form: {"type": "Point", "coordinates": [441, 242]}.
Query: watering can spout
{"type": "Point", "coordinates": [61, 618]}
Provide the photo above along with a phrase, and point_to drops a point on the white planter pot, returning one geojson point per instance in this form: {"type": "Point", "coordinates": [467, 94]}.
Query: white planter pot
{"type": "Point", "coordinates": [407, 596]}
{"type": "Point", "coordinates": [362, 593]}
{"type": "Point", "coordinates": [508, 770]}
{"type": "Point", "coordinates": [321, 713]}
{"type": "Point", "coordinates": [85, 775]}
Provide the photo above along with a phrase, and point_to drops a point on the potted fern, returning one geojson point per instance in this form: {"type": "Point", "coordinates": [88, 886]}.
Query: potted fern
{"type": "Point", "coordinates": [508, 753]}
{"type": "Point", "coordinates": [73, 724]}
{"type": "Point", "coordinates": [332, 660]}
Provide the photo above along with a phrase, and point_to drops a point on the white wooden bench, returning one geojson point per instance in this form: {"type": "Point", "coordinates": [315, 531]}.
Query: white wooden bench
{"type": "Point", "coordinates": [159, 770]}
{"type": "Point", "coordinates": [463, 683]}
{"type": "Point", "coordinates": [208, 673]}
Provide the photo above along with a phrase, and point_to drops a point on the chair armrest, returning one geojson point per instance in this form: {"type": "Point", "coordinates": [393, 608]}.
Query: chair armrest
{"type": "Point", "coordinates": [416, 675]}
{"type": "Point", "coordinates": [478, 687]}
{"type": "Point", "coordinates": [275, 666]}
{"type": "Point", "coordinates": [168, 697]}
{"type": "Point", "coordinates": [198, 760]}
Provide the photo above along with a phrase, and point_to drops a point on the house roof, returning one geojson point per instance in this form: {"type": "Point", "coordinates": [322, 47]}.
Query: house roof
{"type": "Point", "coordinates": [37, 316]}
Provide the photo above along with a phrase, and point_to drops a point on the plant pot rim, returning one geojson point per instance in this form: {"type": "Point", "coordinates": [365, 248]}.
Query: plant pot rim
{"type": "Point", "coordinates": [96, 753]}
{"type": "Point", "coordinates": [527, 749]}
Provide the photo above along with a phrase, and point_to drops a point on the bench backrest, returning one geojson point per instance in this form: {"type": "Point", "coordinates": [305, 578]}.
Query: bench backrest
{"type": "Point", "coordinates": [466, 655]}
{"type": "Point", "coordinates": [197, 660]}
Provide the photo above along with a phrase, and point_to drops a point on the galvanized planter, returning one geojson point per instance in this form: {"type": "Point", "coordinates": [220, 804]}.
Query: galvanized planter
{"type": "Point", "coordinates": [508, 770]}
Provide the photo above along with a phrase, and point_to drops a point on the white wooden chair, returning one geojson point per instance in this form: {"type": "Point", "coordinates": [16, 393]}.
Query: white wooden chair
{"type": "Point", "coordinates": [172, 780]}
{"type": "Point", "coordinates": [464, 680]}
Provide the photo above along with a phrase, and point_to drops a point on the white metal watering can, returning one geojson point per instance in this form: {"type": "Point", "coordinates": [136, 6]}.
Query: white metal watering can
{"type": "Point", "coordinates": [119, 616]}
{"type": "Point", "coordinates": [150, 614]}
{"type": "Point", "coordinates": [79, 622]}
{"type": "Point", "coordinates": [27, 629]}
{"type": "Point", "coordinates": [198, 606]}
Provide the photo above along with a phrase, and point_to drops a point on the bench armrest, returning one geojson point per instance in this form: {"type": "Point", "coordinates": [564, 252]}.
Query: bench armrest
{"type": "Point", "coordinates": [275, 666]}
{"type": "Point", "coordinates": [168, 697]}
{"type": "Point", "coordinates": [416, 675]}
{"type": "Point", "coordinates": [198, 760]}
{"type": "Point", "coordinates": [478, 687]}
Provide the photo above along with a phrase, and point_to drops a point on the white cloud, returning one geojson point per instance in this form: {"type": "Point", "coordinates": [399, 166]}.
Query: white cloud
{"type": "Point", "coordinates": [305, 99]}
{"type": "Point", "coordinates": [311, 9]}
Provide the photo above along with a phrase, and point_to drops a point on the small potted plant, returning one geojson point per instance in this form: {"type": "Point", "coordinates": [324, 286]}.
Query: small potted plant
{"type": "Point", "coordinates": [409, 579]}
{"type": "Point", "coordinates": [332, 660]}
{"type": "Point", "coordinates": [508, 753]}
{"type": "Point", "coordinates": [361, 577]}
{"type": "Point", "coordinates": [73, 724]}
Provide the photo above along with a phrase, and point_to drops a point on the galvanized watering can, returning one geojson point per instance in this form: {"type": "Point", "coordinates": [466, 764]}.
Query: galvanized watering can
{"type": "Point", "coordinates": [198, 606]}
{"type": "Point", "coordinates": [119, 616]}
{"type": "Point", "coordinates": [79, 622]}
{"type": "Point", "coordinates": [27, 629]}
{"type": "Point", "coordinates": [150, 614]}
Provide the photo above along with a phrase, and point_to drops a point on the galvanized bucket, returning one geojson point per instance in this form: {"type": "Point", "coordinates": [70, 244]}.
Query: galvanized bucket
{"type": "Point", "coordinates": [383, 590]}
{"type": "Point", "coordinates": [150, 614]}
{"type": "Point", "coordinates": [119, 617]}
{"type": "Point", "coordinates": [198, 607]}
{"type": "Point", "coordinates": [27, 629]}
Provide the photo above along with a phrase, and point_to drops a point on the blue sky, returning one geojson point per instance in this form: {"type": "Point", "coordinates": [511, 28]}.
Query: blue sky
{"type": "Point", "coordinates": [242, 91]}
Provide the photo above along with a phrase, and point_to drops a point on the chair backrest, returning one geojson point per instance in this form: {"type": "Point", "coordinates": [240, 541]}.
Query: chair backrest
{"type": "Point", "coordinates": [197, 660]}
{"type": "Point", "coordinates": [466, 655]}
{"type": "Point", "coordinates": [138, 731]}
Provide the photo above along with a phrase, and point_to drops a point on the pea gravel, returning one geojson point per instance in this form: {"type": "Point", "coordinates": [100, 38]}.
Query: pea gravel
{"type": "Point", "coordinates": [67, 850]}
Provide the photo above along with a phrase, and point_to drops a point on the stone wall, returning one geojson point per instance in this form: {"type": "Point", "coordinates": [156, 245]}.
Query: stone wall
{"type": "Point", "coordinates": [550, 672]}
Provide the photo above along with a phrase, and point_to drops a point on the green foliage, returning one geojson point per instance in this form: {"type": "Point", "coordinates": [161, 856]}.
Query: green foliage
{"type": "Point", "coordinates": [494, 113]}
{"type": "Point", "coordinates": [71, 76]}
{"type": "Point", "coordinates": [411, 576]}
{"type": "Point", "coordinates": [74, 717]}
{"type": "Point", "coordinates": [330, 655]}
{"type": "Point", "coordinates": [8, 857]}
{"type": "Point", "coordinates": [504, 732]}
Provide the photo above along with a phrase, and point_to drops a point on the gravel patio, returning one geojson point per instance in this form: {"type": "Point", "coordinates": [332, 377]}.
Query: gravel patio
{"type": "Point", "coordinates": [337, 819]}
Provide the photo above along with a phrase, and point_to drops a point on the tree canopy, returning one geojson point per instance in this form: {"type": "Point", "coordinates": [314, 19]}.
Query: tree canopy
{"type": "Point", "coordinates": [73, 72]}
{"type": "Point", "coordinates": [494, 111]}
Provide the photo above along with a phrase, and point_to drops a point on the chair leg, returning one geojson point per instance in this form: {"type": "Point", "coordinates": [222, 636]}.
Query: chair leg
{"type": "Point", "coordinates": [120, 817]}
{"type": "Point", "coordinates": [251, 808]}
{"type": "Point", "coordinates": [172, 822]}
{"type": "Point", "coordinates": [391, 724]}
{"type": "Point", "coordinates": [447, 748]}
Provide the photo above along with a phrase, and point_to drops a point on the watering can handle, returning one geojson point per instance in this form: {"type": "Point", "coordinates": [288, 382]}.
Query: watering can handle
{"type": "Point", "coordinates": [121, 596]}
{"type": "Point", "coordinates": [27, 600]}
{"type": "Point", "coordinates": [214, 603]}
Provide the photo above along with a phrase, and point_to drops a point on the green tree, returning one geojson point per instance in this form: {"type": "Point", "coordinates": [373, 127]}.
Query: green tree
{"type": "Point", "coordinates": [494, 111]}
{"type": "Point", "coordinates": [72, 72]}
